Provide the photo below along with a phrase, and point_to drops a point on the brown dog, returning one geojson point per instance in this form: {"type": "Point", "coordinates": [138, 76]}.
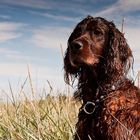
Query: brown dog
{"type": "Point", "coordinates": [100, 58]}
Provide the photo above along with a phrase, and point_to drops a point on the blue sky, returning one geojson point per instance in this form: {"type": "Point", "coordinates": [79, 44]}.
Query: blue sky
{"type": "Point", "coordinates": [32, 31]}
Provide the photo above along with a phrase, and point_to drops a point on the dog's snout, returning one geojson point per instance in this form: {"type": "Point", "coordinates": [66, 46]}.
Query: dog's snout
{"type": "Point", "coordinates": [76, 46]}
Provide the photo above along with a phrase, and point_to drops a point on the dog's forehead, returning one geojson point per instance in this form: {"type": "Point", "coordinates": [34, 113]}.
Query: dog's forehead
{"type": "Point", "coordinates": [96, 22]}
{"type": "Point", "coordinates": [90, 23]}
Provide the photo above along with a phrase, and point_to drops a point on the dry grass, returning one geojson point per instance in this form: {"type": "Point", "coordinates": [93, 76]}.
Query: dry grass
{"type": "Point", "coordinates": [50, 118]}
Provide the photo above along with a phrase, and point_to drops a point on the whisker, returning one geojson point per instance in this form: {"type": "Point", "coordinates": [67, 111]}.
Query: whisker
{"type": "Point", "coordinates": [112, 95]}
{"type": "Point", "coordinates": [99, 56]}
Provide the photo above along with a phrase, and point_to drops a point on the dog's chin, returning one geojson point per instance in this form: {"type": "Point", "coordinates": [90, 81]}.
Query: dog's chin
{"type": "Point", "coordinates": [75, 63]}
{"type": "Point", "coordinates": [84, 62]}
{"type": "Point", "coordinates": [91, 61]}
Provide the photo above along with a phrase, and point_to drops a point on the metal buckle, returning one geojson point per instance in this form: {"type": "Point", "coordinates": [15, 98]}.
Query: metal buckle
{"type": "Point", "coordinates": [89, 107]}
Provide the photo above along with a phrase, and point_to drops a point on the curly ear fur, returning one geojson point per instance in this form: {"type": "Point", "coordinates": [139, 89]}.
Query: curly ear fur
{"type": "Point", "coordinates": [117, 53]}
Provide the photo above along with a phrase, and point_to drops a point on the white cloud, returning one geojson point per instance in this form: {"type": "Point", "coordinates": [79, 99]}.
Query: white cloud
{"type": "Point", "coordinates": [8, 30]}
{"type": "Point", "coordinates": [50, 37]}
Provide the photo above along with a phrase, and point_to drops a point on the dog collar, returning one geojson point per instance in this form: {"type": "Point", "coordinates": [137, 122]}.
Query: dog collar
{"type": "Point", "coordinates": [91, 106]}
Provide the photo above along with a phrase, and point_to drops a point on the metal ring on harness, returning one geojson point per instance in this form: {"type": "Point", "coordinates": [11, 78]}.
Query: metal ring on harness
{"type": "Point", "coordinates": [89, 107]}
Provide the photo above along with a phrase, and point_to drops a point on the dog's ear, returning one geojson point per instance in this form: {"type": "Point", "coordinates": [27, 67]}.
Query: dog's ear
{"type": "Point", "coordinates": [117, 53]}
{"type": "Point", "coordinates": [70, 71]}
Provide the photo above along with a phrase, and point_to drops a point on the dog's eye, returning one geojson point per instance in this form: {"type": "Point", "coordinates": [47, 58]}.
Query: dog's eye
{"type": "Point", "coordinates": [98, 32]}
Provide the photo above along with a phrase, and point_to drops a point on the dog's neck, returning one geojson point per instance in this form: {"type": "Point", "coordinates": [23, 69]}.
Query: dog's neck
{"type": "Point", "coordinates": [90, 83]}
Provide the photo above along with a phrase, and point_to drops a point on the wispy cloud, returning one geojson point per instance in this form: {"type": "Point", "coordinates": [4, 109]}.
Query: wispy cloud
{"type": "Point", "coordinates": [5, 17]}
{"type": "Point", "coordinates": [129, 5]}
{"type": "Point", "coordinates": [119, 8]}
{"type": "Point", "coordinates": [50, 37]}
{"type": "Point", "coordinates": [54, 16]}
{"type": "Point", "coordinates": [106, 12]}
{"type": "Point", "coordinates": [29, 3]}
{"type": "Point", "coordinates": [9, 30]}
{"type": "Point", "coordinates": [13, 54]}
{"type": "Point", "coordinates": [10, 26]}
{"type": "Point", "coordinates": [4, 36]}
{"type": "Point", "coordinates": [60, 6]}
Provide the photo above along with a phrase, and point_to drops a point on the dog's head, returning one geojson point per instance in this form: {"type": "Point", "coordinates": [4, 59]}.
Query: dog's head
{"type": "Point", "coordinates": [96, 41]}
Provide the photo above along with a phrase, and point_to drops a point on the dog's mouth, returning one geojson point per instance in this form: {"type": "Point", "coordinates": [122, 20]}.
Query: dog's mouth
{"type": "Point", "coordinates": [77, 61]}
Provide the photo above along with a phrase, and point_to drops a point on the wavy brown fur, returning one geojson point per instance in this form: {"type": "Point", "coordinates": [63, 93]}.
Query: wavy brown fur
{"type": "Point", "coordinates": [99, 57]}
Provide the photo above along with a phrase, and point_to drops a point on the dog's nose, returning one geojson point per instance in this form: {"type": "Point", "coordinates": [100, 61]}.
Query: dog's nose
{"type": "Point", "coordinates": [76, 46]}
